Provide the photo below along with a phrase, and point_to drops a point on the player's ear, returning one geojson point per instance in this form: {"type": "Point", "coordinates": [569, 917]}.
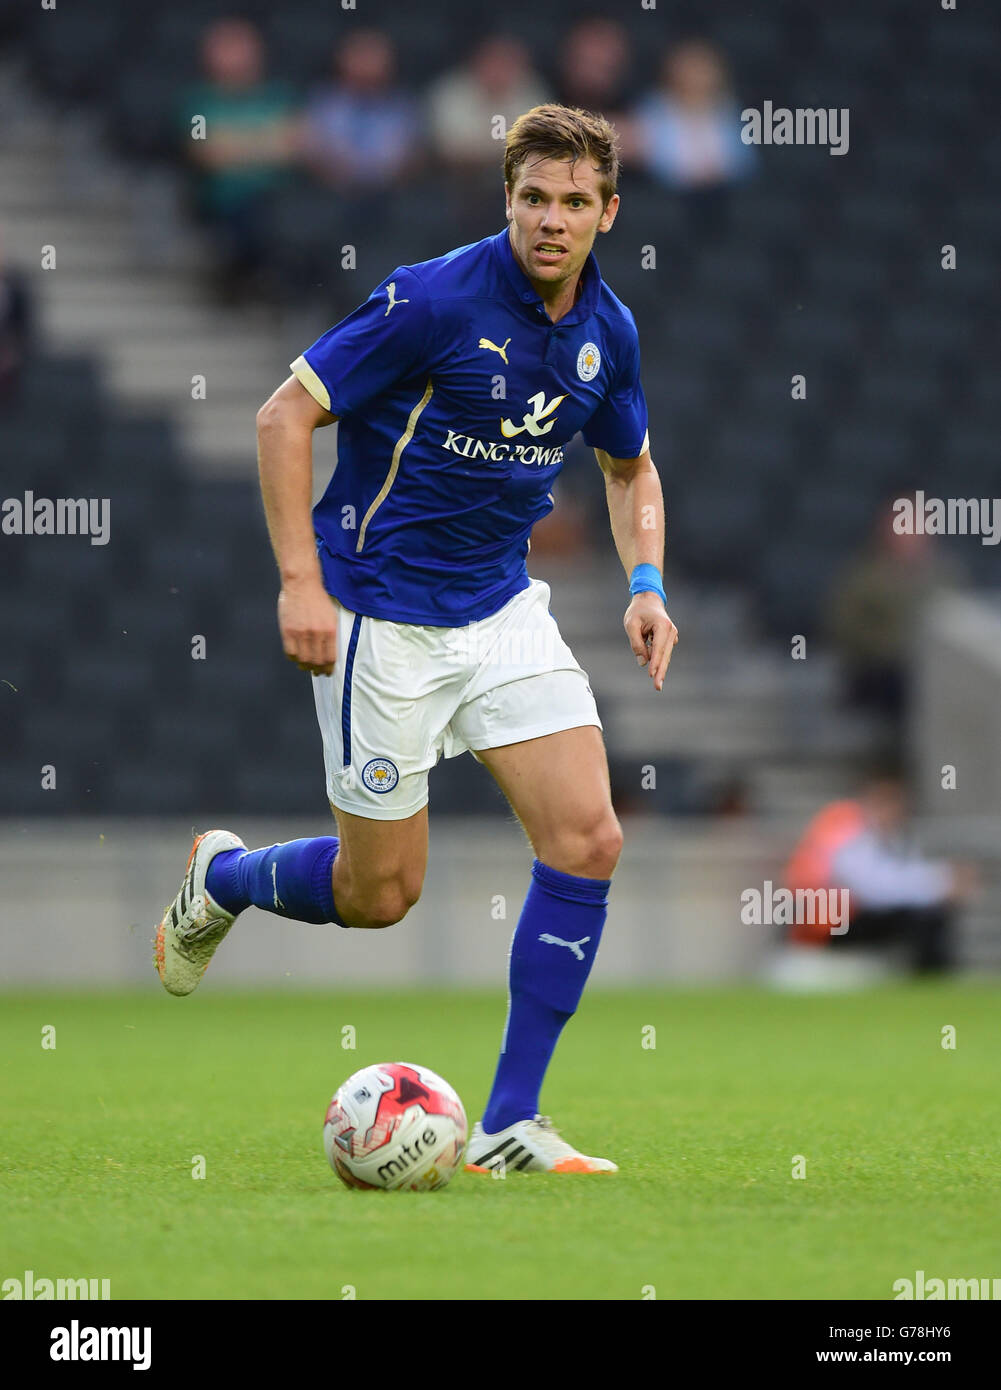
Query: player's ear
{"type": "Point", "coordinates": [608, 216]}
{"type": "Point", "coordinates": [507, 202]}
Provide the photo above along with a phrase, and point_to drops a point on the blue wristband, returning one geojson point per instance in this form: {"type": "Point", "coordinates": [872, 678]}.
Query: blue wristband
{"type": "Point", "coordinates": [646, 579]}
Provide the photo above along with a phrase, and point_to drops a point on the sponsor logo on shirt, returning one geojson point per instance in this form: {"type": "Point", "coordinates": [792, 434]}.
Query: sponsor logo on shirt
{"type": "Point", "coordinates": [494, 451]}
{"type": "Point", "coordinates": [532, 420]}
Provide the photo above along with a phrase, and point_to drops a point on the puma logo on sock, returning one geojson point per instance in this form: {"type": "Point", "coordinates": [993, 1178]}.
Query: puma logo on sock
{"type": "Point", "coordinates": [274, 883]}
{"type": "Point", "coordinates": [570, 945]}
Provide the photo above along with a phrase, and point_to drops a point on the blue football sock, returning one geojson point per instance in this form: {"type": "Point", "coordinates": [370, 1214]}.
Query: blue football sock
{"type": "Point", "coordinates": [292, 880]}
{"type": "Point", "coordinates": [552, 952]}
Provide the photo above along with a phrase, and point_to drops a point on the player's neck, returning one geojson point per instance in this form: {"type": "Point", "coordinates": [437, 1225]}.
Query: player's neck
{"type": "Point", "coordinates": [560, 298]}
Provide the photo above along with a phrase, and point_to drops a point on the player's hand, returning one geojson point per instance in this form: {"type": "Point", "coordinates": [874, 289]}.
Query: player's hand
{"type": "Point", "coordinates": [651, 634]}
{"type": "Point", "coordinates": [307, 620]}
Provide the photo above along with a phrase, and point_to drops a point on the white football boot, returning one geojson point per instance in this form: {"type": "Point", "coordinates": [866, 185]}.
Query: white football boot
{"type": "Point", "coordinates": [529, 1146]}
{"type": "Point", "coordinates": [194, 924]}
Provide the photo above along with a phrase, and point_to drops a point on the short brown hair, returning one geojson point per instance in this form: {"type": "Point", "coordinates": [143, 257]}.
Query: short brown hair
{"type": "Point", "coordinates": [564, 132]}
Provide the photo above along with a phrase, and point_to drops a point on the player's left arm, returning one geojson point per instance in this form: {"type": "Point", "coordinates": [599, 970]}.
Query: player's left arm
{"type": "Point", "coordinates": [636, 512]}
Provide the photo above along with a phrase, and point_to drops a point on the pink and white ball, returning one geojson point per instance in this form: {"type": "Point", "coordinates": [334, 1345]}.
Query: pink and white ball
{"type": "Point", "coordinates": [395, 1126]}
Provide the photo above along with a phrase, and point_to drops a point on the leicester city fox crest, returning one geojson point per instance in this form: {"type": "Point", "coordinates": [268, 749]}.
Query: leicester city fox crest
{"type": "Point", "coordinates": [380, 775]}
{"type": "Point", "coordinates": [588, 362]}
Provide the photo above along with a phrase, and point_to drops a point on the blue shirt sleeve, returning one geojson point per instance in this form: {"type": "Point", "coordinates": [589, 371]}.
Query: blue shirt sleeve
{"type": "Point", "coordinates": [380, 343]}
{"type": "Point", "coordinates": [619, 425]}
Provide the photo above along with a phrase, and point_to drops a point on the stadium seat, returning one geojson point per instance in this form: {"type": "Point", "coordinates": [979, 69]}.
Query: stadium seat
{"type": "Point", "coordinates": [818, 330]}
{"type": "Point", "coordinates": [796, 576]}
{"type": "Point", "coordinates": [307, 230]}
{"type": "Point", "coordinates": [73, 57]}
{"type": "Point", "coordinates": [188, 563]}
{"type": "Point", "coordinates": [870, 446]}
{"type": "Point", "coordinates": [768, 214]}
{"type": "Point", "coordinates": [696, 331]}
{"type": "Point", "coordinates": [878, 216]}
{"type": "Point", "coordinates": [933, 328]}
{"type": "Point", "coordinates": [861, 41]}
{"type": "Point", "coordinates": [855, 273]}
{"type": "Point", "coordinates": [284, 790]}
{"type": "Point", "coordinates": [723, 278]}
{"type": "Point", "coordinates": [172, 790]}
{"type": "Point", "coordinates": [761, 451]}
{"type": "Point", "coordinates": [843, 508]}
{"type": "Point", "coordinates": [898, 391]}
{"type": "Point", "coordinates": [67, 563]}
{"type": "Point", "coordinates": [48, 734]}
{"type": "Point", "coordinates": [972, 451]}
{"type": "Point", "coordinates": [757, 38]}
{"type": "Point", "coordinates": [137, 447]}
{"type": "Point", "coordinates": [34, 445]}
{"type": "Point", "coordinates": [144, 119]}
{"type": "Point", "coordinates": [979, 212]}
{"type": "Point", "coordinates": [713, 525]}
{"type": "Point", "coordinates": [42, 621]}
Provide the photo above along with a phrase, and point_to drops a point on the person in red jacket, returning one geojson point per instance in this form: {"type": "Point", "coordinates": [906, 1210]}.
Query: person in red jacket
{"type": "Point", "coordinates": [896, 896]}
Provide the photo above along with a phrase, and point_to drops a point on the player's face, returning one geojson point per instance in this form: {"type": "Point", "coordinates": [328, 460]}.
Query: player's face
{"type": "Point", "coordinates": [556, 211]}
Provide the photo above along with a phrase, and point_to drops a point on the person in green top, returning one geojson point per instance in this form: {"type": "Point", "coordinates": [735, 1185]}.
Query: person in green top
{"type": "Point", "coordinates": [242, 138]}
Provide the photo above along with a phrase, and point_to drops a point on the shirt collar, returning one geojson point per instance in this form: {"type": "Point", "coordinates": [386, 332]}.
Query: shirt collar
{"type": "Point", "coordinates": [590, 283]}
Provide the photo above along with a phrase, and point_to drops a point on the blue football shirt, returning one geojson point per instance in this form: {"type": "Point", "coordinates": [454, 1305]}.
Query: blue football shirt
{"type": "Point", "coordinates": [456, 395]}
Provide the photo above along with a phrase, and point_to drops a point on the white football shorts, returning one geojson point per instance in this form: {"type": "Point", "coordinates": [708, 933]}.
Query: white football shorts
{"type": "Point", "coordinates": [402, 695]}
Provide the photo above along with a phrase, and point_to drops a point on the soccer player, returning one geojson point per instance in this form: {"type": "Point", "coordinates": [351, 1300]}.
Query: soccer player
{"type": "Point", "coordinates": [405, 594]}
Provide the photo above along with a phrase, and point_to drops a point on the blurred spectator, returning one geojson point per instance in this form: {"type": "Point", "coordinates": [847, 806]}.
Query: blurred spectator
{"type": "Point", "coordinates": [361, 133]}
{"type": "Point", "coordinates": [686, 133]}
{"type": "Point", "coordinates": [875, 610]}
{"type": "Point", "coordinates": [896, 896]}
{"type": "Point", "coordinates": [468, 141]}
{"type": "Point", "coordinates": [15, 329]}
{"type": "Point", "coordinates": [250, 141]}
{"type": "Point", "coordinates": [498, 80]}
{"type": "Point", "coordinates": [594, 69]}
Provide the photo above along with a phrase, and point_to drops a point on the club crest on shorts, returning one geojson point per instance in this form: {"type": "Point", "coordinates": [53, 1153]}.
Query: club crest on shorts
{"type": "Point", "coordinates": [588, 362]}
{"type": "Point", "coordinates": [380, 775]}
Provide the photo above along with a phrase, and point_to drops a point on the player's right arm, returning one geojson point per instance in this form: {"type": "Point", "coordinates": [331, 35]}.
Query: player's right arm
{"type": "Point", "coordinates": [352, 364]}
{"type": "Point", "coordinates": [307, 615]}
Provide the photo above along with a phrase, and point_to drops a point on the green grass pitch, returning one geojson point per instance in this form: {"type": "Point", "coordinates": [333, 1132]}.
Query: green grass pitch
{"type": "Point", "coordinates": [898, 1135]}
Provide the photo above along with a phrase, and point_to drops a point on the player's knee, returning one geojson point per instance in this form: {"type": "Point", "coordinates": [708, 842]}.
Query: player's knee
{"type": "Point", "coordinates": [395, 903]}
{"type": "Point", "coordinates": [590, 851]}
{"type": "Point", "coordinates": [388, 903]}
{"type": "Point", "coordinates": [604, 847]}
